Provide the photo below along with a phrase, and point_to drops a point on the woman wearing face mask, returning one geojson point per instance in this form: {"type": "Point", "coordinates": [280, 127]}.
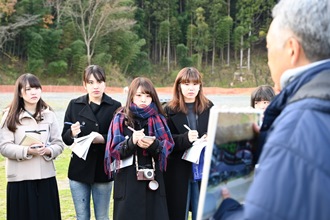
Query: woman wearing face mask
{"type": "Point", "coordinates": [139, 134]}
{"type": "Point", "coordinates": [190, 107]}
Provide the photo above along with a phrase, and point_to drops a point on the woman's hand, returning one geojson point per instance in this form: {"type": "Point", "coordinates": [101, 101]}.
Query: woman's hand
{"type": "Point", "coordinates": [75, 129]}
{"type": "Point", "coordinates": [137, 135]}
{"type": "Point", "coordinates": [98, 139]}
{"type": "Point", "coordinates": [192, 135]}
{"type": "Point", "coordinates": [146, 141]}
{"type": "Point", "coordinates": [38, 149]}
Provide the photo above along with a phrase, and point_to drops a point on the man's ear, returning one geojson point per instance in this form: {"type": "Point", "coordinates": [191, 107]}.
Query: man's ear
{"type": "Point", "coordinates": [296, 51]}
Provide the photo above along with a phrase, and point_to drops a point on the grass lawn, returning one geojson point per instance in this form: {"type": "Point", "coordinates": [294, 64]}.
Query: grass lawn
{"type": "Point", "coordinates": [67, 208]}
{"type": "Point", "coordinates": [61, 163]}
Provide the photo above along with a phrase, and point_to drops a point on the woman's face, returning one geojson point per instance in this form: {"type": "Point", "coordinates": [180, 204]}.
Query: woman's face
{"type": "Point", "coordinates": [262, 105]}
{"type": "Point", "coordinates": [190, 91]}
{"type": "Point", "coordinates": [31, 96]}
{"type": "Point", "coordinates": [140, 99]}
{"type": "Point", "coordinates": [95, 89]}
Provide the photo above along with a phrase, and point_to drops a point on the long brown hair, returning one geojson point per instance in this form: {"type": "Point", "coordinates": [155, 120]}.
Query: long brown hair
{"type": "Point", "coordinates": [17, 104]}
{"type": "Point", "coordinates": [188, 75]}
{"type": "Point", "coordinates": [147, 87]}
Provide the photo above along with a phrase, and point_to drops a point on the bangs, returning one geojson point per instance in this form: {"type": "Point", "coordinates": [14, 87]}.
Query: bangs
{"type": "Point", "coordinates": [263, 96]}
{"type": "Point", "coordinates": [32, 81]}
{"type": "Point", "coordinates": [191, 77]}
{"type": "Point", "coordinates": [96, 71]}
{"type": "Point", "coordinates": [97, 75]}
{"type": "Point", "coordinates": [145, 88]}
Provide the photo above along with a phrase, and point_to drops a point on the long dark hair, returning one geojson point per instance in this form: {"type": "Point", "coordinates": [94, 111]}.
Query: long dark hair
{"type": "Point", "coordinates": [188, 75]}
{"type": "Point", "coordinates": [17, 104]}
{"type": "Point", "coordinates": [146, 88]}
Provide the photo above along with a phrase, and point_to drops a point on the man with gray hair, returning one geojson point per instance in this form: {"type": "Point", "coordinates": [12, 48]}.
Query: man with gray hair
{"type": "Point", "coordinates": [294, 168]}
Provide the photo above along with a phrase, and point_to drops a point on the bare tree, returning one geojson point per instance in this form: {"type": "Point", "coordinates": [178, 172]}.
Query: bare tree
{"type": "Point", "coordinates": [9, 31]}
{"type": "Point", "coordinates": [97, 18]}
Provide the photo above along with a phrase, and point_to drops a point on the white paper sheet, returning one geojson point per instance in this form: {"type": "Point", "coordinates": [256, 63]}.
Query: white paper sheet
{"type": "Point", "coordinates": [81, 145]}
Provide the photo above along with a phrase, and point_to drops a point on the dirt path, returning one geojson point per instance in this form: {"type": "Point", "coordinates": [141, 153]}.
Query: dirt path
{"type": "Point", "coordinates": [160, 90]}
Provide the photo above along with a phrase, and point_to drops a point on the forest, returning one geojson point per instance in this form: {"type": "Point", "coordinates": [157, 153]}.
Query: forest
{"type": "Point", "coordinates": [57, 39]}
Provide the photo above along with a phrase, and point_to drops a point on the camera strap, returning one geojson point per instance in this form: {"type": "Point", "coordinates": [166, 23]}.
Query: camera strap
{"type": "Point", "coordinates": [153, 184]}
{"type": "Point", "coordinates": [137, 163]}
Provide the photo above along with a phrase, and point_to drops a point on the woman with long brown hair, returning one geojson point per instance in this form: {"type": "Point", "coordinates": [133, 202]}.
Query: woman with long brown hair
{"type": "Point", "coordinates": [140, 136]}
{"type": "Point", "coordinates": [188, 107]}
{"type": "Point", "coordinates": [30, 139]}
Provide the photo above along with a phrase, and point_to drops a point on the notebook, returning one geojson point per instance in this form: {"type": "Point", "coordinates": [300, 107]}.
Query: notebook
{"type": "Point", "coordinates": [29, 140]}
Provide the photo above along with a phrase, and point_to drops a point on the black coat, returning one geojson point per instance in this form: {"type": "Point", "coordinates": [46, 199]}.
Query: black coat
{"type": "Point", "coordinates": [132, 198]}
{"type": "Point", "coordinates": [92, 169]}
{"type": "Point", "coordinates": [179, 171]}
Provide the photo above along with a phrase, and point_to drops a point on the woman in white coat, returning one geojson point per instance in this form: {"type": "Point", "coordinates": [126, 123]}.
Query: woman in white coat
{"type": "Point", "coordinates": [30, 139]}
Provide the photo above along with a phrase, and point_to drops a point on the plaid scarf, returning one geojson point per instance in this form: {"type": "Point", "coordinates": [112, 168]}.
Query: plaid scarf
{"type": "Point", "coordinates": [157, 126]}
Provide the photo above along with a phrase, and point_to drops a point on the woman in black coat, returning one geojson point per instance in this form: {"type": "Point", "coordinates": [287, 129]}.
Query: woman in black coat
{"type": "Point", "coordinates": [189, 106]}
{"type": "Point", "coordinates": [92, 112]}
{"type": "Point", "coordinates": [139, 190]}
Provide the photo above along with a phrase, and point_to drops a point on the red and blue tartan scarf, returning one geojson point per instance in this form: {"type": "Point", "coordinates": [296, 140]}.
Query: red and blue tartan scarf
{"type": "Point", "coordinates": [157, 126]}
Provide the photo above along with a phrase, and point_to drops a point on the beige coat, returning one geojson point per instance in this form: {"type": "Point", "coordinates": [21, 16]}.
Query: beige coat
{"type": "Point", "coordinates": [21, 166]}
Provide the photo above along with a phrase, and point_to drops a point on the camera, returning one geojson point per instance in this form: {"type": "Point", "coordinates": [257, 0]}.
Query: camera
{"type": "Point", "coordinates": [145, 174]}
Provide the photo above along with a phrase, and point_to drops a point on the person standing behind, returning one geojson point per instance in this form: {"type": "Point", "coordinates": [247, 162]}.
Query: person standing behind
{"type": "Point", "coordinates": [188, 106]}
{"type": "Point", "coordinates": [262, 96]}
{"type": "Point", "coordinates": [32, 191]}
{"type": "Point", "coordinates": [139, 191]}
{"type": "Point", "coordinates": [294, 167]}
{"type": "Point", "coordinates": [92, 112]}
{"type": "Point", "coordinates": [260, 99]}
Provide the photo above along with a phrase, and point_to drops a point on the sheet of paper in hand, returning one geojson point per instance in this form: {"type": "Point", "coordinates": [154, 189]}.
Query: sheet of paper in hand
{"type": "Point", "coordinates": [193, 153]}
{"type": "Point", "coordinates": [81, 145]}
{"type": "Point", "coordinates": [229, 155]}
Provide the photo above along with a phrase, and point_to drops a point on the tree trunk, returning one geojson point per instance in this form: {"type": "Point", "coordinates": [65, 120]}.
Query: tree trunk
{"type": "Point", "coordinates": [249, 53]}
{"type": "Point", "coordinates": [213, 57]}
{"type": "Point", "coordinates": [241, 55]}
{"type": "Point", "coordinates": [168, 50]}
{"type": "Point", "coordinates": [228, 46]}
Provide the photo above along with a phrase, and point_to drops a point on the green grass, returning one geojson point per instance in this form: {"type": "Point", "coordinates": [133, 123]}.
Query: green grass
{"type": "Point", "coordinates": [67, 208]}
{"type": "Point", "coordinates": [61, 163]}
{"type": "Point", "coordinates": [3, 184]}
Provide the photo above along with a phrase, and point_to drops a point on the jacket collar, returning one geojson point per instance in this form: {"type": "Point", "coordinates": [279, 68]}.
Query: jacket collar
{"type": "Point", "coordinates": [289, 75]}
{"type": "Point", "coordinates": [284, 97]}
{"type": "Point", "coordinates": [105, 99]}
{"type": "Point", "coordinates": [25, 114]}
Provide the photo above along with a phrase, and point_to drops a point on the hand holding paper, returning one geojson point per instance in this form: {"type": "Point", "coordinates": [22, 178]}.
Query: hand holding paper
{"type": "Point", "coordinates": [193, 153]}
{"type": "Point", "coordinates": [192, 134]}
{"type": "Point", "coordinates": [81, 145]}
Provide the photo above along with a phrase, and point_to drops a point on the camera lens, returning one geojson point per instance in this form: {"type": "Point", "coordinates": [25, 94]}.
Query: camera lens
{"type": "Point", "coordinates": [148, 174]}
